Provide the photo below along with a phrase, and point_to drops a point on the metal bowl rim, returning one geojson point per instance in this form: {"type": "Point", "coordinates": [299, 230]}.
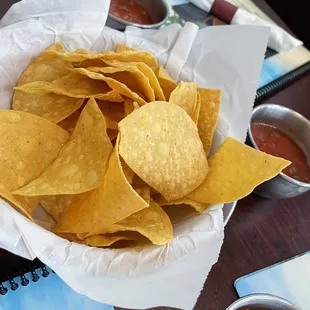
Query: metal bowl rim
{"type": "Point", "coordinates": [268, 105]}
{"type": "Point", "coordinates": [261, 297]}
{"type": "Point", "coordinates": [145, 26]}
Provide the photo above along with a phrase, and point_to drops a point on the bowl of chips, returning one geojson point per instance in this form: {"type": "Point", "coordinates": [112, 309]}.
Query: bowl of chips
{"type": "Point", "coordinates": [116, 156]}
{"type": "Point", "coordinates": [120, 141]}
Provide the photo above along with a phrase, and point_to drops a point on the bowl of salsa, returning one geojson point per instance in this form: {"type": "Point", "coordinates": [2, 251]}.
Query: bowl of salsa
{"type": "Point", "coordinates": [282, 132]}
{"type": "Point", "coordinates": [139, 13]}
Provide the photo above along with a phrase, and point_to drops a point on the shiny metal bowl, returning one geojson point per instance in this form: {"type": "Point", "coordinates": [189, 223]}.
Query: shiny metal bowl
{"type": "Point", "coordinates": [297, 128]}
{"type": "Point", "coordinates": [157, 9]}
{"type": "Point", "coordinates": [265, 301]}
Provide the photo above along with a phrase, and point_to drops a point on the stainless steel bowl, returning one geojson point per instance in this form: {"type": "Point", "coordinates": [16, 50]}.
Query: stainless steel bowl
{"type": "Point", "coordinates": [265, 301]}
{"type": "Point", "coordinates": [157, 9]}
{"type": "Point", "coordinates": [297, 128]}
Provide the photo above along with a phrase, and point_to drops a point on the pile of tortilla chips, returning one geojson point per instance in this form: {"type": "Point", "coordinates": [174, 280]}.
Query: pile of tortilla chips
{"type": "Point", "coordinates": [112, 147]}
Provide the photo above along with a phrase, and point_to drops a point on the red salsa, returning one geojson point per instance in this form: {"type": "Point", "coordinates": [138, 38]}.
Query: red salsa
{"type": "Point", "coordinates": [271, 140]}
{"type": "Point", "coordinates": [130, 11]}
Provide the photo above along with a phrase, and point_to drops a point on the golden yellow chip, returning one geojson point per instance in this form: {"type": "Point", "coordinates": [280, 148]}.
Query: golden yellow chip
{"type": "Point", "coordinates": [113, 113]}
{"type": "Point", "coordinates": [74, 85]}
{"type": "Point", "coordinates": [198, 206]}
{"type": "Point", "coordinates": [28, 144]}
{"type": "Point", "coordinates": [50, 106]}
{"type": "Point", "coordinates": [148, 72]}
{"type": "Point", "coordinates": [151, 222]}
{"type": "Point", "coordinates": [208, 115]}
{"type": "Point", "coordinates": [19, 204]}
{"type": "Point", "coordinates": [166, 82]}
{"type": "Point", "coordinates": [123, 48]}
{"type": "Point", "coordinates": [179, 213]}
{"type": "Point", "coordinates": [69, 123]}
{"type": "Point", "coordinates": [160, 143]}
{"type": "Point", "coordinates": [81, 163]}
{"type": "Point", "coordinates": [118, 87]}
{"type": "Point", "coordinates": [113, 201]}
{"type": "Point", "coordinates": [131, 76]}
{"type": "Point", "coordinates": [107, 239]}
{"type": "Point", "coordinates": [234, 171]}
{"type": "Point", "coordinates": [196, 113]}
{"type": "Point", "coordinates": [126, 56]}
{"type": "Point", "coordinates": [185, 96]}
{"type": "Point", "coordinates": [129, 174]}
{"type": "Point", "coordinates": [112, 134]}
{"type": "Point", "coordinates": [55, 204]}
{"type": "Point", "coordinates": [142, 188]}
{"type": "Point", "coordinates": [130, 106]}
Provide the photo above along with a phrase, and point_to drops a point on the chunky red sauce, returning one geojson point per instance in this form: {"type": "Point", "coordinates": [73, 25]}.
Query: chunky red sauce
{"type": "Point", "coordinates": [271, 140]}
{"type": "Point", "coordinates": [130, 11]}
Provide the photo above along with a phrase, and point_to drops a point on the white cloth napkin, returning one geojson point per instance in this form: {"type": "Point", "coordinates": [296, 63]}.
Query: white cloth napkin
{"type": "Point", "coordinates": [279, 40]}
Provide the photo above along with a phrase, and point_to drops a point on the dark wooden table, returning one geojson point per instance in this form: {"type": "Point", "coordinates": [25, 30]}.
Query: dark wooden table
{"type": "Point", "coordinates": [261, 231]}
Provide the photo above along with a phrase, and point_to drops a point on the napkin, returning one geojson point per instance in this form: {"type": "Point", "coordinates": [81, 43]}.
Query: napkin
{"type": "Point", "coordinates": [279, 40]}
{"type": "Point", "coordinates": [171, 275]}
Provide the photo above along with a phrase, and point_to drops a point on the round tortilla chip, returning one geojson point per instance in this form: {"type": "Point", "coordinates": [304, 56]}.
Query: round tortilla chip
{"type": "Point", "coordinates": [160, 143]}
{"type": "Point", "coordinates": [81, 163]}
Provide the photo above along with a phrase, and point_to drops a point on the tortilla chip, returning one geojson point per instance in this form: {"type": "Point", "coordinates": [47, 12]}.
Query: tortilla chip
{"type": "Point", "coordinates": [112, 112]}
{"type": "Point", "coordinates": [107, 239]}
{"type": "Point", "coordinates": [160, 143]}
{"type": "Point", "coordinates": [50, 106]}
{"type": "Point", "coordinates": [21, 206]}
{"type": "Point", "coordinates": [131, 76]}
{"type": "Point", "coordinates": [130, 106]}
{"type": "Point", "coordinates": [127, 56]}
{"type": "Point", "coordinates": [112, 134]}
{"type": "Point", "coordinates": [120, 48]}
{"type": "Point", "coordinates": [142, 188]}
{"type": "Point", "coordinates": [234, 171]}
{"type": "Point", "coordinates": [185, 96]}
{"type": "Point", "coordinates": [166, 82]}
{"type": "Point", "coordinates": [117, 86]}
{"type": "Point", "coordinates": [80, 165]}
{"type": "Point", "coordinates": [198, 206]}
{"type": "Point", "coordinates": [29, 144]}
{"type": "Point", "coordinates": [113, 201]}
{"type": "Point", "coordinates": [74, 85]}
{"type": "Point", "coordinates": [196, 113]}
{"type": "Point", "coordinates": [208, 115]}
{"type": "Point", "coordinates": [55, 204]}
{"type": "Point", "coordinates": [179, 213]}
{"type": "Point", "coordinates": [129, 174]}
{"type": "Point", "coordinates": [69, 123]}
{"type": "Point", "coordinates": [151, 222]}
{"type": "Point", "coordinates": [148, 72]}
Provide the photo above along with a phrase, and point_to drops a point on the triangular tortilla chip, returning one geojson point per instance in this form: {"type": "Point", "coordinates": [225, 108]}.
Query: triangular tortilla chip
{"type": "Point", "coordinates": [81, 164]}
{"type": "Point", "coordinates": [234, 171]}
{"type": "Point", "coordinates": [113, 201]}
{"type": "Point", "coordinates": [208, 115]}
{"type": "Point", "coordinates": [50, 106]}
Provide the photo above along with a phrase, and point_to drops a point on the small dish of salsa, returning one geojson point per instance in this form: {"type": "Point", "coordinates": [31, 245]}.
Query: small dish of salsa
{"type": "Point", "coordinates": [273, 141]}
{"type": "Point", "coordinates": [131, 11]}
